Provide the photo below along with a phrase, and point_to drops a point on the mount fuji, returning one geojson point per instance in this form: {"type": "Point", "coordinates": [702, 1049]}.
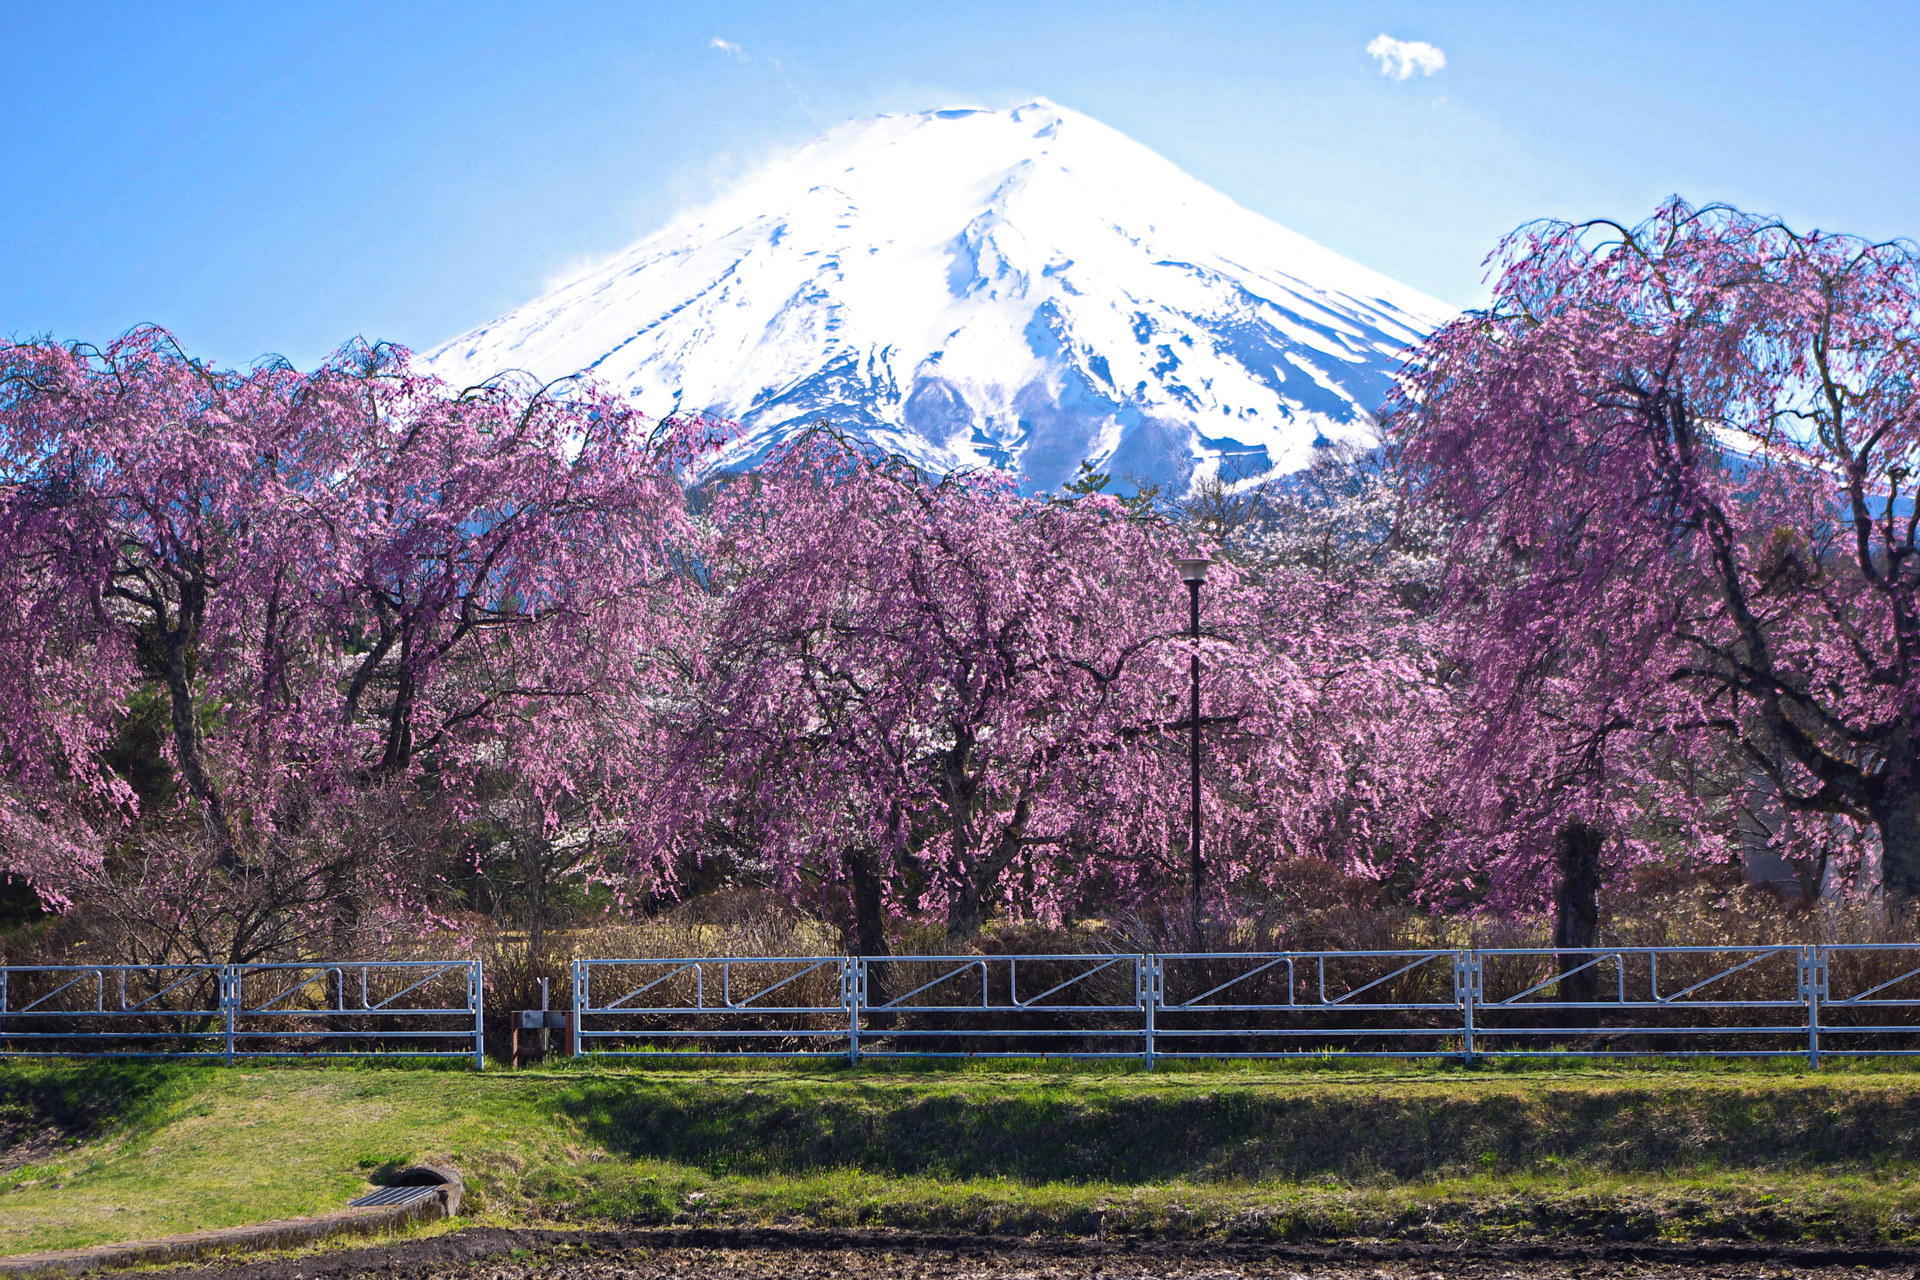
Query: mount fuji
{"type": "Point", "coordinates": [1017, 289]}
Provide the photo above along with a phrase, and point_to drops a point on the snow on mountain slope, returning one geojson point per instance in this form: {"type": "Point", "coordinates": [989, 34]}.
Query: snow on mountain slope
{"type": "Point", "coordinates": [1019, 289]}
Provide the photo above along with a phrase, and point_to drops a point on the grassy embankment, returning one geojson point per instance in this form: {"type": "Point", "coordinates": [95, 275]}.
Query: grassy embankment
{"type": "Point", "coordinates": [125, 1151]}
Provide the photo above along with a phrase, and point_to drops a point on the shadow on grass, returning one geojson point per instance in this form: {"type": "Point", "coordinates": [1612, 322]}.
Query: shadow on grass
{"type": "Point", "coordinates": [1038, 1134]}
{"type": "Point", "coordinates": [45, 1106]}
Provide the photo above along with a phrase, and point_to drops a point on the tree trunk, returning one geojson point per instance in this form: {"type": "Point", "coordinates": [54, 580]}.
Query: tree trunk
{"type": "Point", "coordinates": [1897, 815]}
{"type": "Point", "coordinates": [189, 746]}
{"type": "Point", "coordinates": [964, 913]}
{"type": "Point", "coordinates": [966, 910]}
{"type": "Point", "coordinates": [868, 936]}
{"type": "Point", "coordinates": [1576, 909]}
{"type": "Point", "coordinates": [398, 753]}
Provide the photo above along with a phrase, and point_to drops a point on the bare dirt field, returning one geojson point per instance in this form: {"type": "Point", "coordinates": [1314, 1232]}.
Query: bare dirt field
{"type": "Point", "coordinates": [700, 1254]}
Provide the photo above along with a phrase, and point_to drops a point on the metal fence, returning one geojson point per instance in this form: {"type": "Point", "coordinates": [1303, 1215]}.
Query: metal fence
{"type": "Point", "coordinates": [1723, 1001]}
{"type": "Point", "coordinates": [395, 1008]}
{"type": "Point", "coordinates": [1811, 1001]}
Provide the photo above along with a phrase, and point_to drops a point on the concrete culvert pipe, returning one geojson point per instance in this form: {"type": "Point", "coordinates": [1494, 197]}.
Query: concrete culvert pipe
{"type": "Point", "coordinates": [452, 1189]}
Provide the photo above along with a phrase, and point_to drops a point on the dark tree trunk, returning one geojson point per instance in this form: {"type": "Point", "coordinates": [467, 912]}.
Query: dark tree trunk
{"type": "Point", "coordinates": [189, 745]}
{"type": "Point", "coordinates": [1896, 813]}
{"type": "Point", "coordinates": [868, 936]}
{"type": "Point", "coordinates": [967, 909]}
{"type": "Point", "coordinates": [398, 753]}
{"type": "Point", "coordinates": [1576, 909]}
{"type": "Point", "coordinates": [964, 914]}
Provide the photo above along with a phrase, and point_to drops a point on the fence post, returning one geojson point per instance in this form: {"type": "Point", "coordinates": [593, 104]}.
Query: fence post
{"type": "Point", "coordinates": [853, 989]}
{"type": "Point", "coordinates": [476, 996]}
{"type": "Point", "coordinates": [1813, 971]}
{"type": "Point", "coordinates": [229, 1003]}
{"type": "Point", "coordinates": [1466, 971]}
{"type": "Point", "coordinates": [1147, 971]}
{"type": "Point", "coordinates": [579, 998]}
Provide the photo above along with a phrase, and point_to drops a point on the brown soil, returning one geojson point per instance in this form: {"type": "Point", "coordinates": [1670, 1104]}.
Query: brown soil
{"type": "Point", "coordinates": [773, 1254]}
{"type": "Point", "coordinates": [23, 1145]}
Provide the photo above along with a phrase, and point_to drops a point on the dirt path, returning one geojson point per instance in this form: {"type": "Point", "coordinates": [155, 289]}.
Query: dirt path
{"type": "Point", "coordinates": [697, 1254]}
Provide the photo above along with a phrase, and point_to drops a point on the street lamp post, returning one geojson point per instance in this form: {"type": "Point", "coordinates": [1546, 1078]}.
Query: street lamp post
{"type": "Point", "coordinates": [1193, 572]}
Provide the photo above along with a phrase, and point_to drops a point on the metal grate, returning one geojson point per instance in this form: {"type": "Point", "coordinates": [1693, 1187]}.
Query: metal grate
{"type": "Point", "coordinates": [394, 1195]}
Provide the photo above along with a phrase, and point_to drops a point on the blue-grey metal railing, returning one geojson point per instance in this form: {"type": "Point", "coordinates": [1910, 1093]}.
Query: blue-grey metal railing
{"type": "Point", "coordinates": [770, 1006]}
{"type": "Point", "coordinates": [1811, 1001]}
{"type": "Point", "coordinates": [1722, 1001]}
{"type": "Point", "coordinates": [334, 1008]}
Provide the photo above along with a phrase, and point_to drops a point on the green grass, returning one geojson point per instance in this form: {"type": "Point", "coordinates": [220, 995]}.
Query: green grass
{"type": "Point", "coordinates": [1641, 1152]}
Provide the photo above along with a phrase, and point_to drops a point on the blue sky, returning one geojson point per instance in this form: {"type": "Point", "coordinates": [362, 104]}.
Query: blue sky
{"type": "Point", "coordinates": [282, 177]}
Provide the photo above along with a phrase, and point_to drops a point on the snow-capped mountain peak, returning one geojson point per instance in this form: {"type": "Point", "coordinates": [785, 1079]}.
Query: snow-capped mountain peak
{"type": "Point", "coordinates": [1022, 289]}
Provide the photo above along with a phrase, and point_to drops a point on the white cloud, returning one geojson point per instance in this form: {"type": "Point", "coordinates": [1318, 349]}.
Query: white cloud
{"type": "Point", "coordinates": [1401, 58]}
{"type": "Point", "coordinates": [735, 52]}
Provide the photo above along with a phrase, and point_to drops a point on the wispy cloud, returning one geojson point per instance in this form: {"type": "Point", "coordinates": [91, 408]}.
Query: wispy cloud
{"type": "Point", "coordinates": [729, 49]}
{"type": "Point", "coordinates": [1402, 58]}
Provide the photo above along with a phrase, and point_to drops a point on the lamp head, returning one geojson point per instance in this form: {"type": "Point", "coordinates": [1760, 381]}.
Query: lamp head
{"type": "Point", "coordinates": [1193, 568]}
